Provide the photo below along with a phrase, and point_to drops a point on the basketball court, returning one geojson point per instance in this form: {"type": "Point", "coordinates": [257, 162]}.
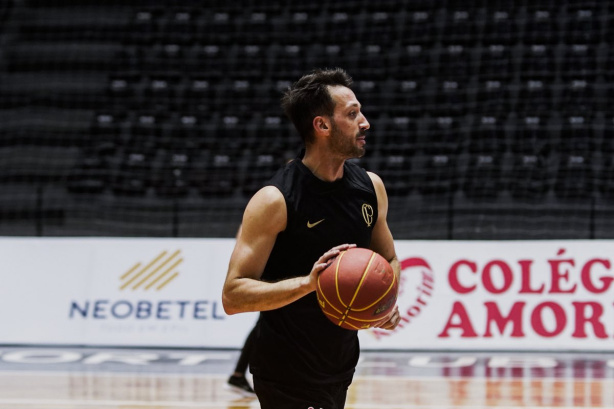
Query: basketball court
{"type": "Point", "coordinates": [71, 378]}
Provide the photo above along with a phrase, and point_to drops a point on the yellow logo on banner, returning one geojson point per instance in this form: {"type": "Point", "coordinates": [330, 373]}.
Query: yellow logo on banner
{"type": "Point", "coordinates": [158, 272]}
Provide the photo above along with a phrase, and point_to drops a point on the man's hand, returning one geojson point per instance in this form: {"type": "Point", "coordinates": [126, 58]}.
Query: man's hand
{"type": "Point", "coordinates": [323, 262]}
{"type": "Point", "coordinates": [393, 320]}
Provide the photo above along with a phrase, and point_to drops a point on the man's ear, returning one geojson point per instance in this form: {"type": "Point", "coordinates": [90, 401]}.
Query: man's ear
{"type": "Point", "coordinates": [321, 125]}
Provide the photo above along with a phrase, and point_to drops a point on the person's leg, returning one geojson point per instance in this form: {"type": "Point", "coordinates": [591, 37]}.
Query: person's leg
{"type": "Point", "coordinates": [246, 351]}
{"type": "Point", "coordinates": [237, 381]}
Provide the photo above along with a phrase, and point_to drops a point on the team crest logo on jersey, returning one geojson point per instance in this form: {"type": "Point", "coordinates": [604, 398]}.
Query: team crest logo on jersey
{"type": "Point", "coordinates": [367, 214]}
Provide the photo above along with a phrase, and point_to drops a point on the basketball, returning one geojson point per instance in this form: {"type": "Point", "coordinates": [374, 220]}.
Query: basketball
{"type": "Point", "coordinates": [357, 290]}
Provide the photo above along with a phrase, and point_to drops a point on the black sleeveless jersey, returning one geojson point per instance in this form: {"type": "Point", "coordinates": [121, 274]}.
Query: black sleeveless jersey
{"type": "Point", "coordinates": [297, 344]}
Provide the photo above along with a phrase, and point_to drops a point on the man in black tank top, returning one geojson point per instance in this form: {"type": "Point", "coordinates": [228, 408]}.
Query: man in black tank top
{"type": "Point", "coordinates": [310, 211]}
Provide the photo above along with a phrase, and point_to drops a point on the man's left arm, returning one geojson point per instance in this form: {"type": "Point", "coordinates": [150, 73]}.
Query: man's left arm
{"type": "Point", "coordinates": [382, 241]}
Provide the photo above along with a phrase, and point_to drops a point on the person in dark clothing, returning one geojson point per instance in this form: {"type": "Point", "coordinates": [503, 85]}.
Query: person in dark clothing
{"type": "Point", "coordinates": [237, 381]}
{"type": "Point", "coordinates": [307, 214]}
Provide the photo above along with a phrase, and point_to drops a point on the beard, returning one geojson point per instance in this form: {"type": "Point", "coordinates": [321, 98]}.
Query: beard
{"type": "Point", "coordinates": [345, 146]}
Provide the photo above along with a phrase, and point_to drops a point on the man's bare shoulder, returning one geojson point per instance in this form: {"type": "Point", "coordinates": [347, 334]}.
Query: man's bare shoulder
{"type": "Point", "coordinates": [267, 206]}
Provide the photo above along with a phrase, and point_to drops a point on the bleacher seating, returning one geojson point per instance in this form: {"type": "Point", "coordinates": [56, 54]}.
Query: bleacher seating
{"type": "Point", "coordinates": [173, 107]}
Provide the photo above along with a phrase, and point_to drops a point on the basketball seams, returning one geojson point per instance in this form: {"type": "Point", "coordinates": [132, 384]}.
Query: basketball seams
{"type": "Point", "coordinates": [394, 280]}
{"type": "Point", "coordinates": [362, 279]}
{"type": "Point", "coordinates": [337, 278]}
{"type": "Point", "coordinates": [324, 295]}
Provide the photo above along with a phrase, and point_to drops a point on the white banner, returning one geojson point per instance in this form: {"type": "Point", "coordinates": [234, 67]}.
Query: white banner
{"type": "Point", "coordinates": [518, 295]}
{"type": "Point", "coordinates": [124, 292]}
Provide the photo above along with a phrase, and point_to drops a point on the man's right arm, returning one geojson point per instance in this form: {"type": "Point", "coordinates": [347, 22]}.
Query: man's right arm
{"type": "Point", "coordinates": [265, 217]}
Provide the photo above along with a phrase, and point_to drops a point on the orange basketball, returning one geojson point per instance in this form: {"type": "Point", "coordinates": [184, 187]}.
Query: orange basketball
{"type": "Point", "coordinates": [358, 289]}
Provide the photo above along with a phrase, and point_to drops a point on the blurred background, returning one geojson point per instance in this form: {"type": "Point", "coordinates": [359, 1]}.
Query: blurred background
{"type": "Point", "coordinates": [489, 119]}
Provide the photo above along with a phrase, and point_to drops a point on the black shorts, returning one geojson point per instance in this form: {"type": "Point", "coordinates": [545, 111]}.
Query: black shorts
{"type": "Point", "coordinates": [273, 395]}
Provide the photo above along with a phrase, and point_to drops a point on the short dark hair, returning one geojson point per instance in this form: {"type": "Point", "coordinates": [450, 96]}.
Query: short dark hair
{"type": "Point", "coordinates": [309, 97]}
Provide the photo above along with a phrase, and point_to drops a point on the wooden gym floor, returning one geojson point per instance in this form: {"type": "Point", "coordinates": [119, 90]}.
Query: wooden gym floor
{"type": "Point", "coordinates": [74, 378]}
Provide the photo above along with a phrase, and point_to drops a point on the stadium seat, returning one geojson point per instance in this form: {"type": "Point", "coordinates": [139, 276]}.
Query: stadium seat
{"type": "Point", "coordinates": [215, 175]}
{"type": "Point", "coordinates": [133, 177]}
{"type": "Point", "coordinates": [530, 178]}
{"type": "Point", "coordinates": [160, 93]}
{"type": "Point", "coordinates": [443, 136]}
{"type": "Point", "coordinates": [407, 97]}
{"type": "Point", "coordinates": [287, 61]}
{"type": "Point", "coordinates": [198, 96]}
{"type": "Point", "coordinates": [437, 175]}
{"type": "Point", "coordinates": [341, 26]}
{"type": "Point", "coordinates": [225, 133]}
{"type": "Point", "coordinates": [531, 136]}
{"type": "Point", "coordinates": [273, 135]}
{"type": "Point", "coordinates": [379, 25]}
{"type": "Point", "coordinates": [171, 178]}
{"type": "Point", "coordinates": [578, 136]}
{"type": "Point", "coordinates": [179, 25]}
{"type": "Point", "coordinates": [255, 27]}
{"type": "Point", "coordinates": [493, 98]}
{"type": "Point", "coordinates": [414, 60]}
{"type": "Point", "coordinates": [261, 168]}
{"type": "Point", "coordinates": [369, 93]}
{"type": "Point", "coordinates": [538, 62]}
{"type": "Point", "coordinates": [419, 28]}
{"type": "Point", "coordinates": [329, 55]}
{"type": "Point", "coordinates": [145, 132]}
{"type": "Point", "coordinates": [237, 98]}
{"type": "Point", "coordinates": [451, 99]}
{"type": "Point", "coordinates": [248, 62]}
{"type": "Point", "coordinates": [487, 136]}
{"type": "Point", "coordinates": [395, 170]}
{"type": "Point", "coordinates": [218, 27]}
{"type": "Point", "coordinates": [496, 63]}
{"type": "Point", "coordinates": [574, 178]}
{"type": "Point", "coordinates": [369, 62]}
{"type": "Point", "coordinates": [145, 25]}
{"type": "Point", "coordinates": [106, 132]}
{"type": "Point", "coordinates": [483, 179]}
{"type": "Point", "coordinates": [460, 27]}
{"type": "Point", "coordinates": [578, 97]}
{"type": "Point", "coordinates": [500, 28]}
{"type": "Point", "coordinates": [395, 135]}
{"type": "Point", "coordinates": [583, 25]}
{"type": "Point", "coordinates": [541, 27]}
{"type": "Point", "coordinates": [579, 62]}
{"type": "Point", "coordinates": [454, 63]}
{"type": "Point", "coordinates": [299, 27]}
{"type": "Point", "coordinates": [535, 98]}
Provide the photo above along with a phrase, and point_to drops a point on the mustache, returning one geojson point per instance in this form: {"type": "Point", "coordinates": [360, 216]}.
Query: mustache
{"type": "Point", "coordinates": [362, 132]}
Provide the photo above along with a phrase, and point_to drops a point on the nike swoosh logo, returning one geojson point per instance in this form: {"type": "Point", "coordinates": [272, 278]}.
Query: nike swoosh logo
{"type": "Point", "coordinates": [310, 225]}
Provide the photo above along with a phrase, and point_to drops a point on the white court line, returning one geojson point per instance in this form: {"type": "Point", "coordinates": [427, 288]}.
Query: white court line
{"type": "Point", "coordinates": [252, 405]}
{"type": "Point", "coordinates": [356, 378]}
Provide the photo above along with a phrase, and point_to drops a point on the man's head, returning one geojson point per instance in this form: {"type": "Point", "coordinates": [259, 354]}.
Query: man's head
{"type": "Point", "coordinates": [310, 97]}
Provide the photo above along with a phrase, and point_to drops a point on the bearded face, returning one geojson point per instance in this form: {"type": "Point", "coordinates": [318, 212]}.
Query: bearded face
{"type": "Point", "coordinates": [347, 144]}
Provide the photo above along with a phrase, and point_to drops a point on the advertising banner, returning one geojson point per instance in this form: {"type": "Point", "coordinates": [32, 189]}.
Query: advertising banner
{"type": "Point", "coordinates": [454, 295]}
{"type": "Point", "coordinates": [124, 292]}
{"type": "Point", "coordinates": [516, 295]}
